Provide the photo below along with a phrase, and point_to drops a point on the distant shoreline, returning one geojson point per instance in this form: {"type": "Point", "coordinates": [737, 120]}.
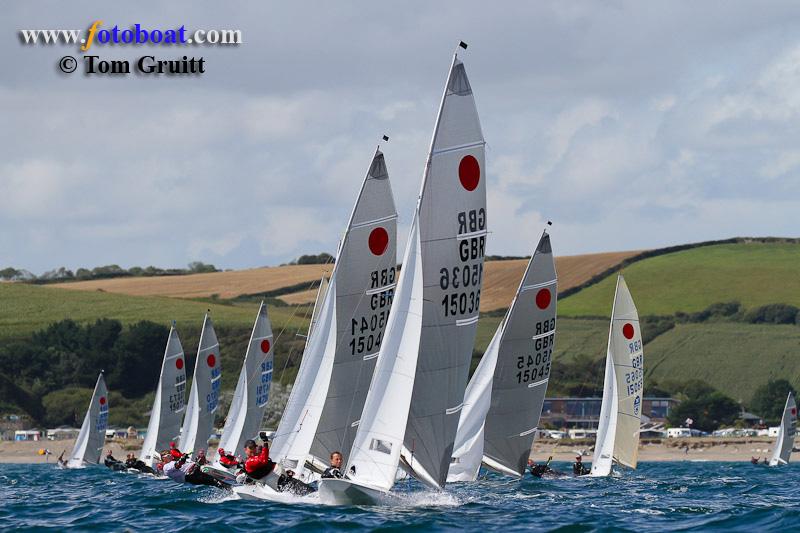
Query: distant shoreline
{"type": "Point", "coordinates": [667, 450]}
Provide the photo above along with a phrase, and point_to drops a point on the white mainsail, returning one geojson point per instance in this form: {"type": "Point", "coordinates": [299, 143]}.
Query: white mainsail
{"type": "Point", "coordinates": [321, 291]}
{"type": "Point", "coordinates": [621, 410]}
{"type": "Point", "coordinates": [431, 328]}
{"type": "Point", "coordinates": [785, 441]}
{"type": "Point", "coordinates": [327, 398]}
{"type": "Point", "coordinates": [204, 396]}
{"type": "Point", "coordinates": [505, 396]}
{"type": "Point", "coordinates": [89, 444]}
{"type": "Point", "coordinates": [252, 390]}
{"type": "Point", "coordinates": [169, 404]}
{"type": "Point", "coordinates": [452, 231]}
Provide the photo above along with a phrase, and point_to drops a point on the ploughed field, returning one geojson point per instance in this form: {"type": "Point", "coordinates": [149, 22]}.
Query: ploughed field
{"type": "Point", "coordinates": [500, 281]}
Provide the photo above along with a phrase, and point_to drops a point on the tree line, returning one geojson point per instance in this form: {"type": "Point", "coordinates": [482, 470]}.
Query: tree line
{"type": "Point", "coordinates": [102, 272]}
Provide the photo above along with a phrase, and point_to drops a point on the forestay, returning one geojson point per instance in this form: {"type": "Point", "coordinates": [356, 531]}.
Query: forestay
{"type": "Point", "coordinates": [252, 389]}
{"type": "Point", "coordinates": [452, 231]}
{"type": "Point", "coordinates": [621, 410]}
{"type": "Point", "coordinates": [204, 396]}
{"type": "Point", "coordinates": [170, 402]}
{"type": "Point", "coordinates": [328, 394]}
{"type": "Point", "coordinates": [785, 441]}
{"type": "Point", "coordinates": [505, 396]}
{"type": "Point", "coordinates": [89, 444]}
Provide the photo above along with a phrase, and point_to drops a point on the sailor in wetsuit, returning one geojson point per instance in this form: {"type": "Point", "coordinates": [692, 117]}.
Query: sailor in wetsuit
{"type": "Point", "coordinates": [228, 460]}
{"type": "Point", "coordinates": [133, 463]}
{"type": "Point", "coordinates": [335, 470]}
{"type": "Point", "coordinates": [185, 471]}
{"type": "Point", "coordinates": [543, 470]}
{"type": "Point", "coordinates": [578, 467]}
{"type": "Point", "coordinates": [259, 465]}
{"type": "Point", "coordinates": [111, 462]}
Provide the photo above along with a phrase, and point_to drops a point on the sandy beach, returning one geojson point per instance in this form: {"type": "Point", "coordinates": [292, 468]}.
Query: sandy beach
{"type": "Point", "coordinates": [699, 449]}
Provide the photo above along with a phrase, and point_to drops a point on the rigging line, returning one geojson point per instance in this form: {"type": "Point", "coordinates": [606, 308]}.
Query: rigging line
{"type": "Point", "coordinates": [292, 351]}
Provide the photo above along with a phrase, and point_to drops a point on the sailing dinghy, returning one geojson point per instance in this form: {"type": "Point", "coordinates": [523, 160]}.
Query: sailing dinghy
{"type": "Point", "coordinates": [418, 386]}
{"type": "Point", "coordinates": [89, 445]}
{"type": "Point", "coordinates": [169, 404]}
{"type": "Point", "coordinates": [198, 422]}
{"type": "Point", "coordinates": [504, 398]}
{"type": "Point", "coordinates": [251, 395]}
{"type": "Point", "coordinates": [621, 409]}
{"type": "Point", "coordinates": [785, 441]}
{"type": "Point", "coordinates": [325, 405]}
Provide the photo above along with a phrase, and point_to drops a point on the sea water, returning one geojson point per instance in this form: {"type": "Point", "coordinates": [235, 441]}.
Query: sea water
{"type": "Point", "coordinates": [656, 497]}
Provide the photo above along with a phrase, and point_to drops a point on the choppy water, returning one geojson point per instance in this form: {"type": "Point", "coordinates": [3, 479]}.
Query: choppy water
{"type": "Point", "coordinates": [656, 497]}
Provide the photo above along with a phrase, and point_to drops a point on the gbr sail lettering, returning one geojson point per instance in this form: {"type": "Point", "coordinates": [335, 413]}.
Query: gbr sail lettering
{"type": "Point", "coordinates": [536, 367]}
{"type": "Point", "coordinates": [366, 330]}
{"type": "Point", "coordinates": [176, 399]}
{"type": "Point", "coordinates": [262, 390]}
{"type": "Point", "coordinates": [102, 418]}
{"type": "Point", "coordinates": [212, 398]}
{"type": "Point", "coordinates": [635, 378]}
{"type": "Point", "coordinates": [462, 283]}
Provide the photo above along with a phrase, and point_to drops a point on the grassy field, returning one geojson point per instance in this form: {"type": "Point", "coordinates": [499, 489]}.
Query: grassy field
{"type": "Point", "coordinates": [735, 358]}
{"type": "Point", "coordinates": [500, 281]}
{"type": "Point", "coordinates": [755, 274]}
{"type": "Point", "coordinates": [27, 308]}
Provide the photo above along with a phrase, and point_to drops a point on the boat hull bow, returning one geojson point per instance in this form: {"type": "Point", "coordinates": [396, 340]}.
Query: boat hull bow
{"type": "Point", "coordinates": [348, 492]}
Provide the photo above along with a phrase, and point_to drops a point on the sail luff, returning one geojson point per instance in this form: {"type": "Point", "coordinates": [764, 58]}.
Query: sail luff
{"type": "Point", "coordinates": [89, 444]}
{"type": "Point", "coordinates": [252, 389]}
{"type": "Point", "coordinates": [375, 455]}
{"type": "Point", "coordinates": [469, 443]}
{"type": "Point", "coordinates": [170, 401]}
{"type": "Point", "coordinates": [204, 395]}
{"type": "Point", "coordinates": [523, 364]}
{"type": "Point", "coordinates": [452, 228]}
{"type": "Point", "coordinates": [606, 428]}
{"type": "Point", "coordinates": [364, 288]}
{"type": "Point", "coordinates": [785, 440]}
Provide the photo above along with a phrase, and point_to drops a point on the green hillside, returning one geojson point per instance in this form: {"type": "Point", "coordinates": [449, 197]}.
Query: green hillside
{"type": "Point", "coordinates": [735, 358]}
{"type": "Point", "coordinates": [755, 274]}
{"type": "Point", "coordinates": [28, 308]}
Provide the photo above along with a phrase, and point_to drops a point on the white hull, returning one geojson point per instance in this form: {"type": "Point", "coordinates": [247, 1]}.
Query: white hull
{"type": "Point", "coordinates": [347, 492]}
{"type": "Point", "coordinates": [256, 492]}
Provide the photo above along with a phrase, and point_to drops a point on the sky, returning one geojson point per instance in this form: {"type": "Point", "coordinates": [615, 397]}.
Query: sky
{"type": "Point", "coordinates": [630, 125]}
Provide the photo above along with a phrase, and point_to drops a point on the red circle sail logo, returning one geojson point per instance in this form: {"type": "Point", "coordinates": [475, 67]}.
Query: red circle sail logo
{"type": "Point", "coordinates": [378, 241]}
{"type": "Point", "coordinates": [628, 331]}
{"type": "Point", "coordinates": [211, 360]}
{"type": "Point", "coordinates": [543, 298]}
{"type": "Point", "coordinates": [179, 363]}
{"type": "Point", "coordinates": [102, 400]}
{"type": "Point", "coordinates": [265, 346]}
{"type": "Point", "coordinates": [469, 172]}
